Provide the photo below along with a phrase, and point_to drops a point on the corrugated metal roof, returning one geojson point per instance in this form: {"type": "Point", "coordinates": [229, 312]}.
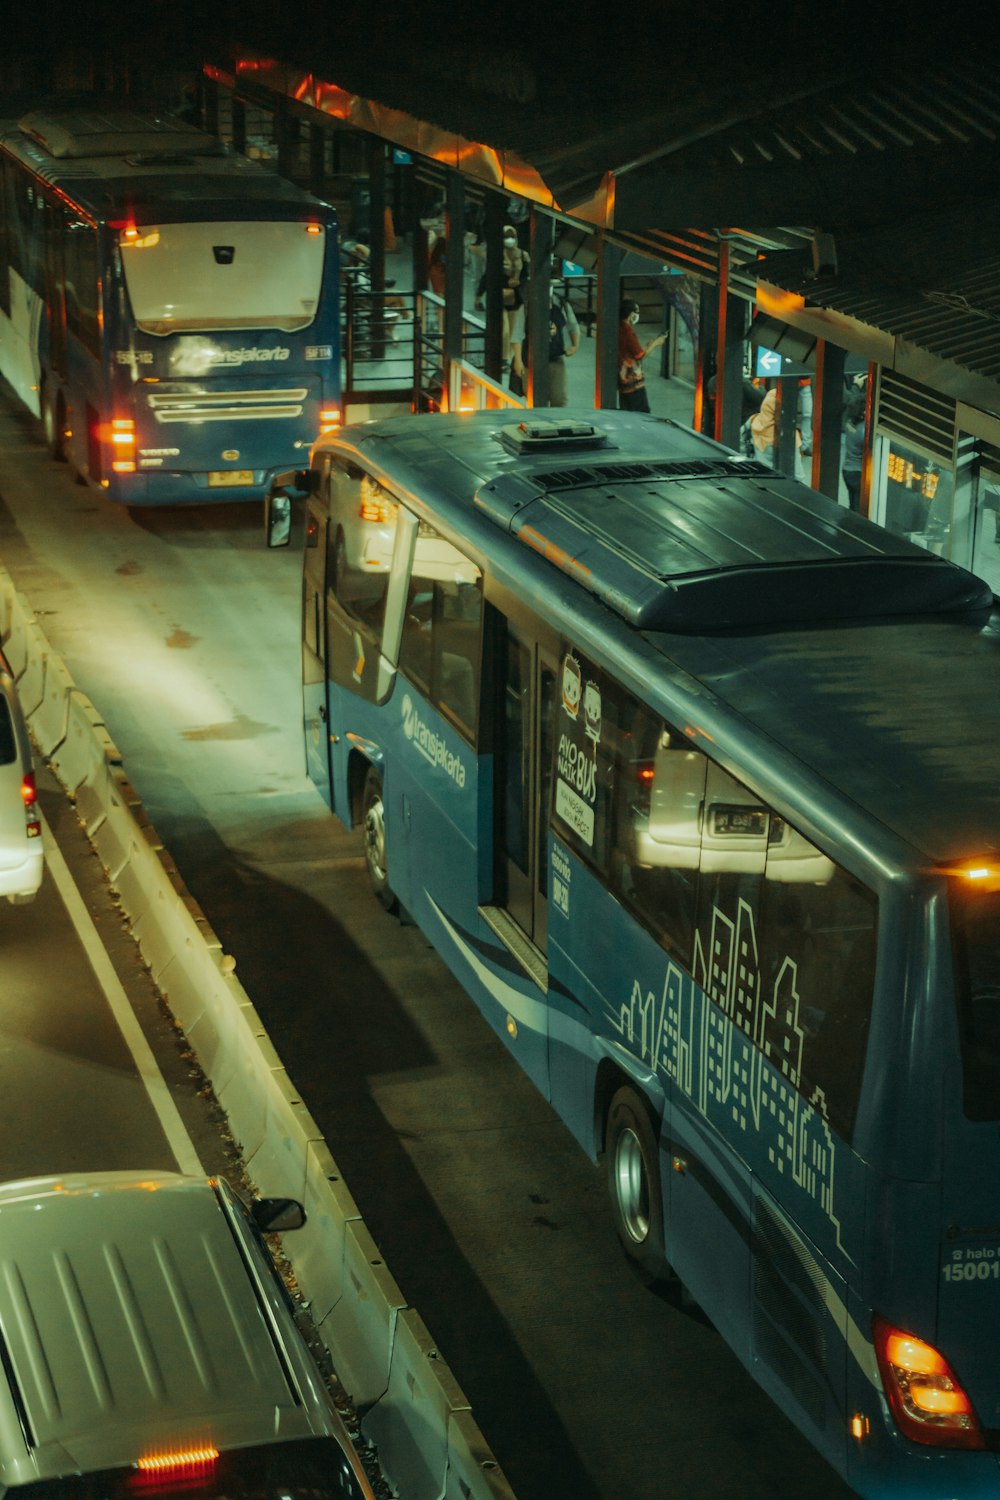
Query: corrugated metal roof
{"type": "Point", "coordinates": [932, 282]}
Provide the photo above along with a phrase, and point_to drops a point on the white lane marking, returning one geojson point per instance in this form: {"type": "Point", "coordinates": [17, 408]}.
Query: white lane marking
{"type": "Point", "coordinates": [159, 1095]}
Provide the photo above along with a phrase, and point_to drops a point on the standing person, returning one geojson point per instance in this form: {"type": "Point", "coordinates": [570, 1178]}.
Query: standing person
{"type": "Point", "coordinates": [631, 377]}
{"type": "Point", "coordinates": [854, 444]}
{"type": "Point", "coordinates": [564, 341]}
{"type": "Point", "coordinates": [515, 271]}
{"type": "Point", "coordinates": [763, 430]}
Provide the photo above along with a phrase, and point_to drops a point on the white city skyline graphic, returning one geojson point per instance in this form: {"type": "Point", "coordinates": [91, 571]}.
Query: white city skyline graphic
{"type": "Point", "coordinates": [720, 1016]}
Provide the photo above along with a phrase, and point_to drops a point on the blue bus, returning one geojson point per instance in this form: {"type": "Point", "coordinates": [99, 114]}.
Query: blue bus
{"type": "Point", "coordinates": [691, 777]}
{"type": "Point", "coordinates": [168, 309]}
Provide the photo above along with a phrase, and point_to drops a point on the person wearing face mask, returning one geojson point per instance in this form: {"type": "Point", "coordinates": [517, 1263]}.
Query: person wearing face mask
{"type": "Point", "coordinates": [631, 379]}
{"type": "Point", "coordinates": [515, 269]}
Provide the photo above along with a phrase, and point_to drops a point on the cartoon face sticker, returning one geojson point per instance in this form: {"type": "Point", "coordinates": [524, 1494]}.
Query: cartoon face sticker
{"type": "Point", "coordinates": [571, 685]}
{"type": "Point", "coordinates": [592, 711]}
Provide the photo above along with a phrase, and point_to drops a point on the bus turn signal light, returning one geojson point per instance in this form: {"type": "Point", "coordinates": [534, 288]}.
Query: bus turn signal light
{"type": "Point", "coordinates": [927, 1400]}
{"type": "Point", "coordinates": [123, 445]}
{"type": "Point", "coordinates": [329, 420]}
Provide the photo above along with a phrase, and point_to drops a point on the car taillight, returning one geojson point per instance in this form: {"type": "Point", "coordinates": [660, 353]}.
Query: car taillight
{"type": "Point", "coordinates": [123, 445]}
{"type": "Point", "coordinates": [170, 1466]}
{"type": "Point", "coordinates": [926, 1398]}
{"type": "Point", "coordinates": [29, 796]}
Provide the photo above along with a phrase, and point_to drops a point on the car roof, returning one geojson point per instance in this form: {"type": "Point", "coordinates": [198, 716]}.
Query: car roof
{"type": "Point", "coordinates": [129, 1316]}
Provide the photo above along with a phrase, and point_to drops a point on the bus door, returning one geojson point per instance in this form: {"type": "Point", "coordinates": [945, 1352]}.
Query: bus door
{"type": "Point", "coordinates": [524, 782]}
{"type": "Point", "coordinates": [315, 706]}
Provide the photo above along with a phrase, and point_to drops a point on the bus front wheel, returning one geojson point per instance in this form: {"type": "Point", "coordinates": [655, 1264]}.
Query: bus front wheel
{"type": "Point", "coordinates": [632, 1165]}
{"type": "Point", "coordinates": [373, 826]}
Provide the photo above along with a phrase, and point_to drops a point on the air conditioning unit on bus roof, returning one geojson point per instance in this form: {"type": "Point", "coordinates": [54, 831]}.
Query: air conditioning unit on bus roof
{"type": "Point", "coordinates": [544, 435]}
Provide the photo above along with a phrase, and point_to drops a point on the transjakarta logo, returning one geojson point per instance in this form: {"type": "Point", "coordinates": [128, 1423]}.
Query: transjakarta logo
{"type": "Point", "coordinates": [246, 356]}
{"type": "Point", "coordinates": [430, 744]}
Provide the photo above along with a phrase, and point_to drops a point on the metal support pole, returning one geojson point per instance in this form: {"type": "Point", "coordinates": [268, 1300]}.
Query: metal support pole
{"type": "Point", "coordinates": [210, 105]}
{"type": "Point", "coordinates": [376, 211]}
{"type": "Point", "coordinates": [496, 213]}
{"type": "Point", "coordinates": [454, 271]}
{"type": "Point", "coordinates": [786, 418]}
{"type": "Point", "coordinates": [609, 293]}
{"type": "Point", "coordinates": [540, 262]}
{"type": "Point", "coordinates": [317, 159]}
{"type": "Point", "coordinates": [828, 418]}
{"type": "Point", "coordinates": [729, 389]}
{"type": "Point", "coordinates": [704, 385]}
{"type": "Point", "coordinates": [239, 112]}
{"type": "Point", "coordinates": [375, 154]}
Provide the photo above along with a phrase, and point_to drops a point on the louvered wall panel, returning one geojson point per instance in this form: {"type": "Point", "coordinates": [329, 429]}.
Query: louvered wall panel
{"type": "Point", "coordinates": [922, 418]}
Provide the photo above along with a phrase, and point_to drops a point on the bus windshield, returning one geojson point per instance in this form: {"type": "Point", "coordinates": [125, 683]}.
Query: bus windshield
{"type": "Point", "coordinates": [976, 929]}
{"type": "Point", "coordinates": [200, 277]}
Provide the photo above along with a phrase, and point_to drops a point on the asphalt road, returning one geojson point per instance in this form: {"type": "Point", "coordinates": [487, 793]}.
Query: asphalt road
{"type": "Point", "coordinates": [77, 1092]}
{"type": "Point", "coordinates": [183, 629]}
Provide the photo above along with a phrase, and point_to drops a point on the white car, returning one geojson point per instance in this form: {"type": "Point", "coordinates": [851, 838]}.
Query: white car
{"type": "Point", "coordinates": [149, 1348]}
{"type": "Point", "coordinates": [21, 856]}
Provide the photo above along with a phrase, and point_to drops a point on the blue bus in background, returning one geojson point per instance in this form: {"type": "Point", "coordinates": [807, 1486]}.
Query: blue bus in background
{"type": "Point", "coordinates": [691, 777]}
{"type": "Point", "coordinates": [168, 309]}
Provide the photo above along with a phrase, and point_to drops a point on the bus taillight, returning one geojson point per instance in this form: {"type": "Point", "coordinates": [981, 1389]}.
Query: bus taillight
{"type": "Point", "coordinates": [123, 445]}
{"type": "Point", "coordinates": [329, 421]}
{"type": "Point", "coordinates": [927, 1400]}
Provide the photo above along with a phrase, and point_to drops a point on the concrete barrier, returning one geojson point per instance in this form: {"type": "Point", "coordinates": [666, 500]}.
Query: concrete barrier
{"type": "Point", "coordinates": [409, 1424]}
{"type": "Point", "coordinates": [16, 644]}
{"type": "Point", "coordinates": [410, 1403]}
{"type": "Point", "coordinates": [50, 720]}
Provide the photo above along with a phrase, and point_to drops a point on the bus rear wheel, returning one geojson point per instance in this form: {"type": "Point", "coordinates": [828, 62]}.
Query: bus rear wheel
{"type": "Point", "coordinates": [632, 1167]}
{"type": "Point", "coordinates": [373, 826]}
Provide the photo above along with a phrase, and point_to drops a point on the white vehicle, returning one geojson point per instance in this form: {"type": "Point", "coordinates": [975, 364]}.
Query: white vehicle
{"type": "Point", "coordinates": [21, 856]}
{"type": "Point", "coordinates": [148, 1345]}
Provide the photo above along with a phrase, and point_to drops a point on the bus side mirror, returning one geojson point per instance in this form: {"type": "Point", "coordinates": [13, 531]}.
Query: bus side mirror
{"type": "Point", "coordinates": [277, 518]}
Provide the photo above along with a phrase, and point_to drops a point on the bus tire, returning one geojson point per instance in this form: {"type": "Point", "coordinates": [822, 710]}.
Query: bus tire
{"type": "Point", "coordinates": [54, 423]}
{"type": "Point", "coordinates": [373, 828]}
{"type": "Point", "coordinates": [632, 1168]}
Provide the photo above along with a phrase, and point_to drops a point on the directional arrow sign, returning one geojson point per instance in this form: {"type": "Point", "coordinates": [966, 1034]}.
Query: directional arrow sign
{"type": "Point", "coordinates": [768, 363]}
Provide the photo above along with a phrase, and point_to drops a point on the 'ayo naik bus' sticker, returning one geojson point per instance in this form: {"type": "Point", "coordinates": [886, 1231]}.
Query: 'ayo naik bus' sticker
{"type": "Point", "coordinates": [576, 759]}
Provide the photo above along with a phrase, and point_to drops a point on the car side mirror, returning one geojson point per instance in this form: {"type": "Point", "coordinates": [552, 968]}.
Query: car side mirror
{"type": "Point", "coordinates": [275, 1215]}
{"type": "Point", "coordinates": [277, 518]}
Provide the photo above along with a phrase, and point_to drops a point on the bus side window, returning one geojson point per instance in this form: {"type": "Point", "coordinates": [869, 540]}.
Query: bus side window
{"type": "Point", "coordinates": [659, 795]}
{"type": "Point", "coordinates": [362, 538]}
{"type": "Point", "coordinates": [817, 964]}
{"type": "Point", "coordinates": [82, 289]}
{"type": "Point", "coordinates": [442, 625]}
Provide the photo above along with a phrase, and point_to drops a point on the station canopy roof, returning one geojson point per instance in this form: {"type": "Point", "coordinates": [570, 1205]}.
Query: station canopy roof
{"type": "Point", "coordinates": [889, 147]}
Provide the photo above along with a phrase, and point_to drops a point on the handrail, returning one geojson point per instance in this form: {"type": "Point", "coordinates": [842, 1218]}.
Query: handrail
{"type": "Point", "coordinates": [470, 390]}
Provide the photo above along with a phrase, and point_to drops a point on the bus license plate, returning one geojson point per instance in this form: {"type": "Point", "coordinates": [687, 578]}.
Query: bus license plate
{"type": "Point", "coordinates": [230, 476]}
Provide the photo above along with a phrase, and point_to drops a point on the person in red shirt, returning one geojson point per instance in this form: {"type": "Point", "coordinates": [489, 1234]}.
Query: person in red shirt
{"type": "Point", "coordinates": [631, 379]}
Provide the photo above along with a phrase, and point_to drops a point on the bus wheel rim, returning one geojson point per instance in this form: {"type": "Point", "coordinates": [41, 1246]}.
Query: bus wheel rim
{"type": "Point", "coordinates": [630, 1186]}
{"type": "Point", "coordinates": [375, 840]}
